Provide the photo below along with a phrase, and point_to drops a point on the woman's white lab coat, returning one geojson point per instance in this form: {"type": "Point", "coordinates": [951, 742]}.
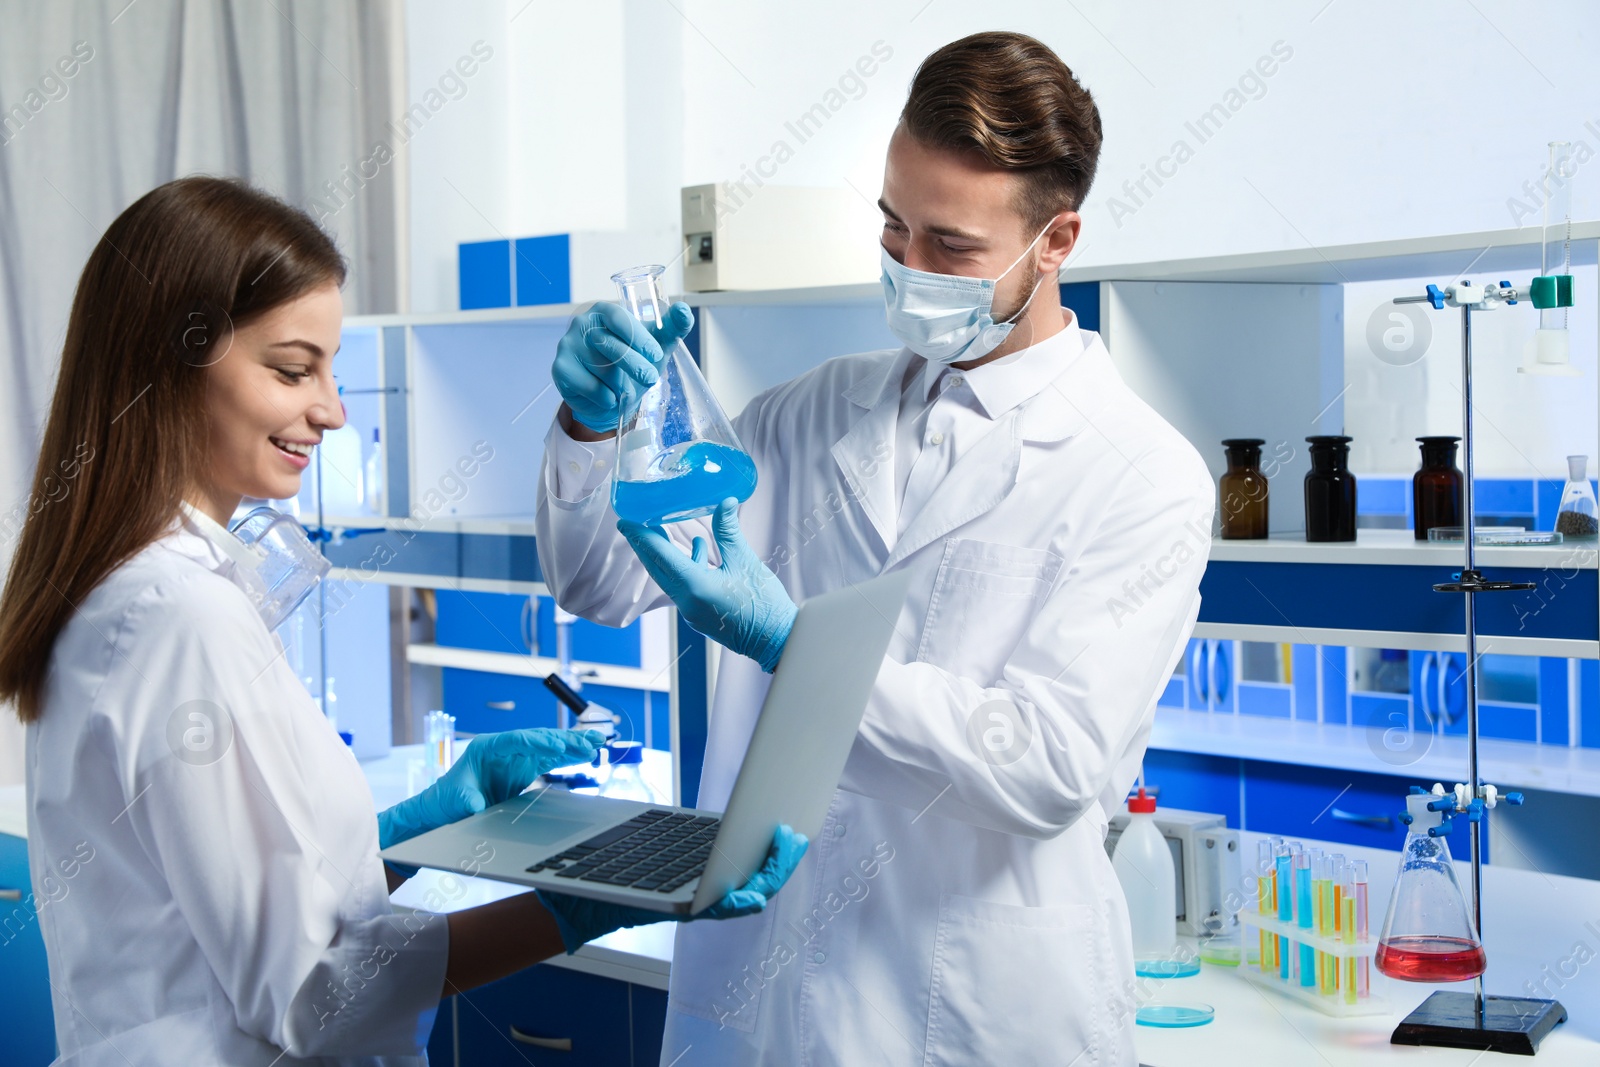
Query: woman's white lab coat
{"type": "Point", "coordinates": [958, 906]}
{"type": "Point", "coordinates": [203, 846]}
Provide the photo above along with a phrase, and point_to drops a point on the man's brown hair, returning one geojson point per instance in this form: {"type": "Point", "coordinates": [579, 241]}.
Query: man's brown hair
{"type": "Point", "coordinates": [1009, 99]}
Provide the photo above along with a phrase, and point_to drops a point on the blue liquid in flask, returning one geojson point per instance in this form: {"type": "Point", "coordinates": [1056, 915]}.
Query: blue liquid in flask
{"type": "Point", "coordinates": [708, 473]}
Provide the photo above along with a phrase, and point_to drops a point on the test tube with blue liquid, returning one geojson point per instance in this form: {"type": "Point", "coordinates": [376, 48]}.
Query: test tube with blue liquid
{"type": "Point", "coordinates": [1304, 913]}
{"type": "Point", "coordinates": [1285, 886]}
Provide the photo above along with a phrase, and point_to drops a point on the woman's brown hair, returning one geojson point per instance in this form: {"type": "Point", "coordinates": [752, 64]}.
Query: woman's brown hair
{"type": "Point", "coordinates": [157, 303]}
{"type": "Point", "coordinates": [1009, 99]}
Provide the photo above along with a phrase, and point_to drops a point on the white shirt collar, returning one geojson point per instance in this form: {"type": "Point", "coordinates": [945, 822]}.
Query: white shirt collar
{"type": "Point", "coordinates": [186, 537]}
{"type": "Point", "coordinates": [1011, 380]}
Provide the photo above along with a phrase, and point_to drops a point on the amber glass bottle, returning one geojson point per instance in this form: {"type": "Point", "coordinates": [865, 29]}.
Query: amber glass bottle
{"type": "Point", "coordinates": [1330, 490]}
{"type": "Point", "coordinates": [1436, 487]}
{"type": "Point", "coordinates": [1242, 491]}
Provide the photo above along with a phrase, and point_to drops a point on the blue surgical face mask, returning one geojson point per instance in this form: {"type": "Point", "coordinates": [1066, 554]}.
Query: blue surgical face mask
{"type": "Point", "coordinates": [947, 318]}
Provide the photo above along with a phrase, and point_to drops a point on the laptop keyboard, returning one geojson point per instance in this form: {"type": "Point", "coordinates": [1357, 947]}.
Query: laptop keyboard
{"type": "Point", "coordinates": [658, 851]}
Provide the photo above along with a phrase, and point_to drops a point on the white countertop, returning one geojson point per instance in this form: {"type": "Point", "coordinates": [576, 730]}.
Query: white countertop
{"type": "Point", "coordinates": [1532, 922]}
{"type": "Point", "coordinates": [1508, 764]}
{"type": "Point", "coordinates": [1538, 928]}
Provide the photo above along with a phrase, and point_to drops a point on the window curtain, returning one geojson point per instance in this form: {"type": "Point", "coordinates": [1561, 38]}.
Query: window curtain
{"type": "Point", "coordinates": [102, 100]}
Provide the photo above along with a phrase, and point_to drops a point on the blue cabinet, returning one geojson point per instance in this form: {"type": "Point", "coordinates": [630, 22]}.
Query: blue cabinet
{"type": "Point", "coordinates": [520, 625]}
{"type": "Point", "coordinates": [25, 1014]}
{"type": "Point", "coordinates": [483, 702]}
{"type": "Point", "coordinates": [1317, 803]}
{"type": "Point", "coordinates": [1329, 804]}
{"type": "Point", "coordinates": [550, 1015]}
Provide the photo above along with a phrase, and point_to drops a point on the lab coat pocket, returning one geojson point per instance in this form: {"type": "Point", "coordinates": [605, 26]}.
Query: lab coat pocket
{"type": "Point", "coordinates": [720, 969]}
{"type": "Point", "coordinates": [1019, 985]}
{"type": "Point", "coordinates": [984, 596]}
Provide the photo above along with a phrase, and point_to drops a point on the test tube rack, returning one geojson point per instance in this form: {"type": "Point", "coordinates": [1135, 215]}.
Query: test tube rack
{"type": "Point", "coordinates": [1336, 962]}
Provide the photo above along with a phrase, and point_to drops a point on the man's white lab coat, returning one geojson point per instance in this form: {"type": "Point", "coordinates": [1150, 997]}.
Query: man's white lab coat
{"type": "Point", "coordinates": [203, 847]}
{"type": "Point", "coordinates": [958, 906]}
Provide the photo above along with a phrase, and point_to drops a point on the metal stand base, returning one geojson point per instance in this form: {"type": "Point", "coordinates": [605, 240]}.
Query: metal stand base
{"type": "Point", "coordinates": [1513, 1025]}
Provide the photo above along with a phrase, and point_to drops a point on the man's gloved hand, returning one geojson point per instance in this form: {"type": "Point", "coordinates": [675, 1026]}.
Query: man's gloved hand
{"type": "Point", "coordinates": [493, 768]}
{"type": "Point", "coordinates": [607, 359]}
{"type": "Point", "coordinates": [581, 920]}
{"type": "Point", "coordinates": [740, 604]}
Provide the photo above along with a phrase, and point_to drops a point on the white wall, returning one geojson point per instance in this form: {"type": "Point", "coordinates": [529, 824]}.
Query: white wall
{"type": "Point", "coordinates": [1378, 121]}
{"type": "Point", "coordinates": [573, 126]}
{"type": "Point", "coordinates": [1386, 120]}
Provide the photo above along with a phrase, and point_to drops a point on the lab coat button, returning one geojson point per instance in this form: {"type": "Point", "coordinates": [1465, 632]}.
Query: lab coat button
{"type": "Point", "coordinates": [838, 829]}
{"type": "Point", "coordinates": [936, 439]}
{"type": "Point", "coordinates": [572, 465]}
{"type": "Point", "coordinates": [819, 957]}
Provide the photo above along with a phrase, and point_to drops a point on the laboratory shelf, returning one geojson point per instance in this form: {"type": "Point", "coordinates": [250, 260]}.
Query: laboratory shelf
{"type": "Point", "coordinates": [428, 557]}
{"type": "Point", "coordinates": [1487, 255]}
{"type": "Point", "coordinates": [531, 313]}
{"type": "Point", "coordinates": [522, 525]}
{"type": "Point", "coordinates": [1420, 642]}
{"type": "Point", "coordinates": [1284, 588]}
{"type": "Point", "coordinates": [1400, 548]}
{"type": "Point", "coordinates": [1508, 764]}
{"type": "Point", "coordinates": [473, 659]}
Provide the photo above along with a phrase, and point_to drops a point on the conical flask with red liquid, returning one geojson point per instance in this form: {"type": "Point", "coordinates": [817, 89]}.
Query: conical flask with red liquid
{"type": "Point", "coordinates": [1428, 935]}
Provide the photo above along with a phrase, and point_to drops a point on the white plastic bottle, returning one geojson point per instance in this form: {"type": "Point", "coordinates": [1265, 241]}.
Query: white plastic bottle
{"type": "Point", "coordinates": [1143, 863]}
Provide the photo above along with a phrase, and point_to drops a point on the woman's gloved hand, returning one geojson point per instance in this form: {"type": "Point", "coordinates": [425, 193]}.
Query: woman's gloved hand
{"type": "Point", "coordinates": [493, 768]}
{"type": "Point", "coordinates": [740, 604]}
{"type": "Point", "coordinates": [581, 920]}
{"type": "Point", "coordinates": [607, 359]}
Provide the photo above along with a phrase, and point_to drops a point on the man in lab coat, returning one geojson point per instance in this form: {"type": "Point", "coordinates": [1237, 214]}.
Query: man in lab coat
{"type": "Point", "coordinates": [958, 906]}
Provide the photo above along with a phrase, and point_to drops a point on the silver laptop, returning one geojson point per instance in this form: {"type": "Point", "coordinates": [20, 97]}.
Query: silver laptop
{"type": "Point", "coordinates": [682, 860]}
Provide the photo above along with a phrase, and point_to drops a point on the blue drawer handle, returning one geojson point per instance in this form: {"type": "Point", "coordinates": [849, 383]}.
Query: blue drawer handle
{"type": "Point", "coordinates": [501, 705]}
{"type": "Point", "coordinates": [1377, 822]}
{"type": "Point", "coordinates": [556, 1044]}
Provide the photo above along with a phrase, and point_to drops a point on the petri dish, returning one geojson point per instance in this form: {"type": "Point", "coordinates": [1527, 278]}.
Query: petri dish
{"type": "Point", "coordinates": [1175, 1016]}
{"type": "Point", "coordinates": [1166, 968]}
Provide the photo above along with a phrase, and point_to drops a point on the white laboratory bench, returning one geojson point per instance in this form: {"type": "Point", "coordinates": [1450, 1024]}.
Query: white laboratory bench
{"type": "Point", "coordinates": [1539, 928]}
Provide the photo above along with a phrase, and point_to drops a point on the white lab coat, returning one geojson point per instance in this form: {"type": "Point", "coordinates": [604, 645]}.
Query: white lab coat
{"type": "Point", "coordinates": [204, 847]}
{"type": "Point", "coordinates": [953, 910]}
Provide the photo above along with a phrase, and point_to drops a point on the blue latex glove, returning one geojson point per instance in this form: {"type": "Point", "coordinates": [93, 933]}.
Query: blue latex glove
{"type": "Point", "coordinates": [607, 359]}
{"type": "Point", "coordinates": [494, 767]}
{"type": "Point", "coordinates": [740, 604]}
{"type": "Point", "coordinates": [581, 920]}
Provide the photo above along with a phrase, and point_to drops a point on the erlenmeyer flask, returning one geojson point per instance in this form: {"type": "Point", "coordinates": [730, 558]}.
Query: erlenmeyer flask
{"type": "Point", "coordinates": [677, 454]}
{"type": "Point", "coordinates": [1428, 934]}
{"type": "Point", "coordinates": [1576, 516]}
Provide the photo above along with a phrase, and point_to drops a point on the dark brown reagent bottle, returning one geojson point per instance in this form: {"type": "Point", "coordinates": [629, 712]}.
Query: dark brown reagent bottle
{"type": "Point", "coordinates": [1330, 490]}
{"type": "Point", "coordinates": [1436, 487]}
{"type": "Point", "coordinates": [1242, 491]}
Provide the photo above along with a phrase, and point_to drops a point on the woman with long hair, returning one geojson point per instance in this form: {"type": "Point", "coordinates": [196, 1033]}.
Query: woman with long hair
{"type": "Point", "coordinates": [211, 845]}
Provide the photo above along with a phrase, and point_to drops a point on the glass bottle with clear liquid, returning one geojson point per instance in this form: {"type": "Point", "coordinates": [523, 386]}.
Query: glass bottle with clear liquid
{"type": "Point", "coordinates": [1576, 517]}
{"type": "Point", "coordinates": [1428, 935]}
{"type": "Point", "coordinates": [624, 777]}
{"type": "Point", "coordinates": [677, 454]}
